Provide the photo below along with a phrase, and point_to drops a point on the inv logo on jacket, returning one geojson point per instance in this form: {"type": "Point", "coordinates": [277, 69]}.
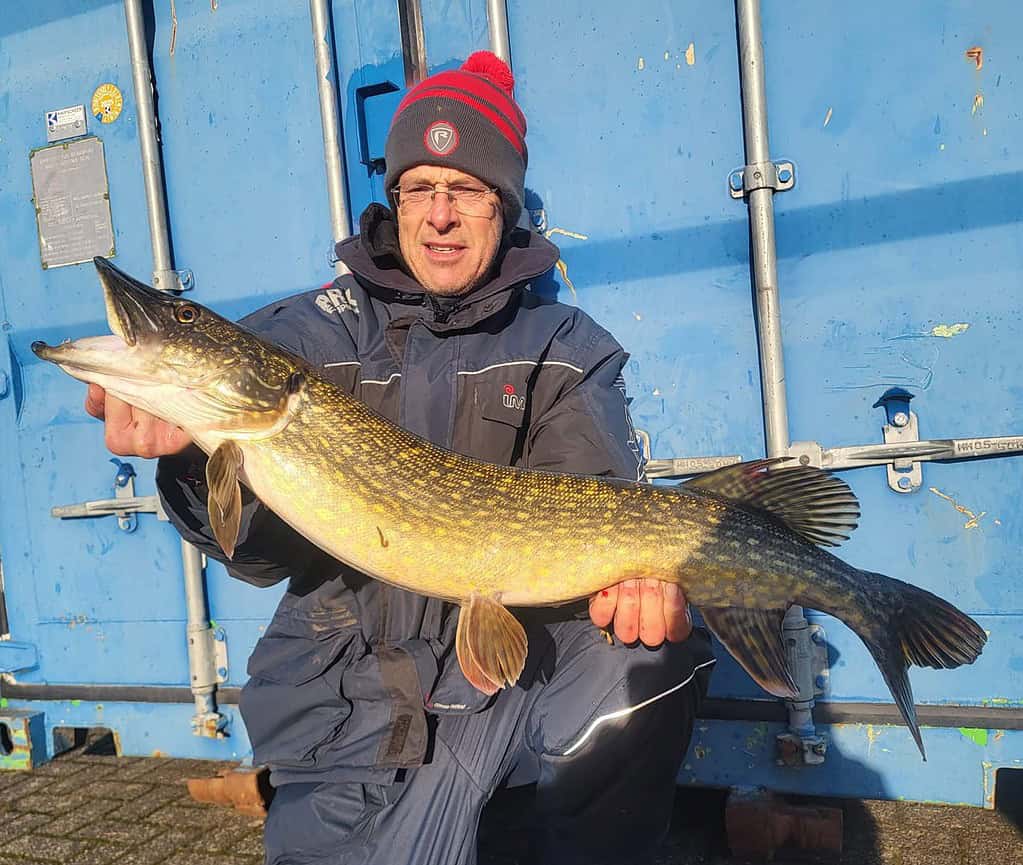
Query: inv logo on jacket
{"type": "Point", "coordinates": [512, 400]}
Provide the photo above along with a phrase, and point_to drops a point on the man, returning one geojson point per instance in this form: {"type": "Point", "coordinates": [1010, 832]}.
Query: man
{"type": "Point", "coordinates": [380, 750]}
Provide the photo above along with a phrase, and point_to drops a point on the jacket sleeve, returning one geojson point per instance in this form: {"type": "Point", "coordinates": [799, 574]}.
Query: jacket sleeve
{"type": "Point", "coordinates": [587, 428]}
{"type": "Point", "coordinates": [268, 550]}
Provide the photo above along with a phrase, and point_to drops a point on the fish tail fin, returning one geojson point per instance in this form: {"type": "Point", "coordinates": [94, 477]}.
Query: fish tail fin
{"type": "Point", "coordinates": [917, 627]}
{"type": "Point", "coordinates": [490, 644]}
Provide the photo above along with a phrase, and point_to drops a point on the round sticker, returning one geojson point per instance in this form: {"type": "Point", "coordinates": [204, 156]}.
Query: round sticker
{"type": "Point", "coordinates": [107, 103]}
{"type": "Point", "coordinates": [441, 138]}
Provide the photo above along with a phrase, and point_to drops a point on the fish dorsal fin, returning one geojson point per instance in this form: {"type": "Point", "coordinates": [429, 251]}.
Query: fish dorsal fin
{"type": "Point", "coordinates": [809, 501]}
{"type": "Point", "coordinates": [753, 637]}
{"type": "Point", "coordinates": [490, 643]}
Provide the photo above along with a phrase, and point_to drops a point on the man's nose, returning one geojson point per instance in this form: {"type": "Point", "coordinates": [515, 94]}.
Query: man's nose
{"type": "Point", "coordinates": [442, 214]}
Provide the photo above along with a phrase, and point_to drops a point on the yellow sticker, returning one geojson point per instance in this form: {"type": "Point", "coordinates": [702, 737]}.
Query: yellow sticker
{"type": "Point", "coordinates": [107, 103]}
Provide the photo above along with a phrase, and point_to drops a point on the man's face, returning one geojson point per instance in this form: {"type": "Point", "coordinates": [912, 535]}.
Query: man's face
{"type": "Point", "coordinates": [448, 252]}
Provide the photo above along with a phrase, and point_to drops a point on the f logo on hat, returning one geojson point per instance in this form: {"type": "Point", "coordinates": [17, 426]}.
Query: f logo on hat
{"type": "Point", "coordinates": [441, 138]}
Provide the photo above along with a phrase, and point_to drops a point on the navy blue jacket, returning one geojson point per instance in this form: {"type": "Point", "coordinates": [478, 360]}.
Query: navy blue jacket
{"type": "Point", "coordinates": [339, 681]}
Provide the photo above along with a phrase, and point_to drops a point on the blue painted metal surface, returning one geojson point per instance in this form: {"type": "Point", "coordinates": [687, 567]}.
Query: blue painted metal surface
{"type": "Point", "coordinates": [900, 262]}
{"type": "Point", "coordinates": [22, 739]}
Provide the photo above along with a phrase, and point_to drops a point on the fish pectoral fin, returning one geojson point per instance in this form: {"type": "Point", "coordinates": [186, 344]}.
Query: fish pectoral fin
{"type": "Point", "coordinates": [225, 496]}
{"type": "Point", "coordinates": [253, 425]}
{"type": "Point", "coordinates": [808, 500]}
{"type": "Point", "coordinates": [753, 637]}
{"type": "Point", "coordinates": [490, 643]}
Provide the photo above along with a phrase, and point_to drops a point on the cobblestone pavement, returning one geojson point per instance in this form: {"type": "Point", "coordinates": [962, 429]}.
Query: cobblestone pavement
{"type": "Point", "coordinates": [102, 810]}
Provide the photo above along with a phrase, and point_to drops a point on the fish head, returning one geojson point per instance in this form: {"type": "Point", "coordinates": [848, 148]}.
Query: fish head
{"type": "Point", "coordinates": [178, 360]}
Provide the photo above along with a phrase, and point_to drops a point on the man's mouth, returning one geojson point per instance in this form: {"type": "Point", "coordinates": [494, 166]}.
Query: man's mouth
{"type": "Point", "coordinates": [440, 250]}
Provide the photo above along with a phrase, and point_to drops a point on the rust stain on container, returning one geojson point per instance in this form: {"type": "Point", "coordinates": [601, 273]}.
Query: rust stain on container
{"type": "Point", "coordinates": [976, 54]}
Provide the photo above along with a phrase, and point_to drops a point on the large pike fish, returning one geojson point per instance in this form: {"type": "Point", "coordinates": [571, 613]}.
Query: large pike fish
{"type": "Point", "coordinates": [744, 542]}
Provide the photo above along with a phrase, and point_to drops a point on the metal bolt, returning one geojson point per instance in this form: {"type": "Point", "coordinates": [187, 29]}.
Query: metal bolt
{"type": "Point", "coordinates": [222, 672]}
{"type": "Point", "coordinates": [804, 460]}
{"type": "Point", "coordinates": [819, 749]}
{"type": "Point", "coordinates": [905, 483]}
{"type": "Point", "coordinates": [817, 637]}
{"type": "Point", "coordinates": [900, 418]}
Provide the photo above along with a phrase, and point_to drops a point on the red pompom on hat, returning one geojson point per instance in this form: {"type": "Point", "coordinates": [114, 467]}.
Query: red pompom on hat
{"type": "Point", "coordinates": [493, 67]}
{"type": "Point", "coordinates": [464, 118]}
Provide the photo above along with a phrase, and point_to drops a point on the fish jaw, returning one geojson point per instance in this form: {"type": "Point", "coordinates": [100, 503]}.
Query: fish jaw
{"type": "Point", "coordinates": [124, 371]}
{"type": "Point", "coordinates": [107, 361]}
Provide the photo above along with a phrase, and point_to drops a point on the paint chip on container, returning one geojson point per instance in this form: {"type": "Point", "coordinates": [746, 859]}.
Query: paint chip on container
{"type": "Point", "coordinates": [949, 330]}
{"type": "Point", "coordinates": [827, 118]}
{"type": "Point", "coordinates": [978, 103]}
{"type": "Point", "coordinates": [691, 54]}
{"type": "Point", "coordinates": [974, 519]}
{"type": "Point", "coordinates": [641, 65]}
{"type": "Point", "coordinates": [975, 735]}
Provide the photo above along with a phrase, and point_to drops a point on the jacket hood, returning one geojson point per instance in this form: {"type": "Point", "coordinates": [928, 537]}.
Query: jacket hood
{"type": "Point", "coordinates": [374, 258]}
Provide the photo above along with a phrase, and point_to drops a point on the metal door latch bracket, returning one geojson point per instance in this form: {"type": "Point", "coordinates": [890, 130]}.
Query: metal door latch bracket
{"type": "Point", "coordinates": [807, 651]}
{"type": "Point", "coordinates": [209, 666]}
{"type": "Point", "coordinates": [904, 473]}
{"type": "Point", "coordinates": [903, 450]}
{"type": "Point", "coordinates": [173, 280]}
{"type": "Point", "coordinates": [679, 467]}
{"type": "Point", "coordinates": [125, 505]}
{"type": "Point", "coordinates": [779, 176]}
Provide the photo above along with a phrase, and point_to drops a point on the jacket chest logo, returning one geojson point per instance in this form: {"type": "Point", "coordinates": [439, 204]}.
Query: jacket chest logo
{"type": "Point", "coordinates": [512, 399]}
{"type": "Point", "coordinates": [337, 300]}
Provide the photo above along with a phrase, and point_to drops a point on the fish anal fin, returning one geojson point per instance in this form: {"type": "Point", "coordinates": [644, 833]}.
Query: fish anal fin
{"type": "Point", "coordinates": [490, 643]}
{"type": "Point", "coordinates": [753, 637]}
{"type": "Point", "coordinates": [225, 494]}
{"type": "Point", "coordinates": [805, 499]}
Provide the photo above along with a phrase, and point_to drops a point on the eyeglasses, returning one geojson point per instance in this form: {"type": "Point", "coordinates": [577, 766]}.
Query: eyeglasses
{"type": "Point", "coordinates": [467, 200]}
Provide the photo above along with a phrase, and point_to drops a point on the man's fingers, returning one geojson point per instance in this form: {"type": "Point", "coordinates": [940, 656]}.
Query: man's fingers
{"type": "Point", "coordinates": [95, 399]}
{"type": "Point", "coordinates": [146, 435]}
{"type": "Point", "coordinates": [677, 619]}
{"type": "Point", "coordinates": [129, 431]}
{"type": "Point", "coordinates": [627, 614]}
{"type": "Point", "coordinates": [174, 440]}
{"type": "Point", "coordinates": [117, 413]}
{"type": "Point", "coordinates": [651, 613]}
{"type": "Point", "coordinates": [602, 606]}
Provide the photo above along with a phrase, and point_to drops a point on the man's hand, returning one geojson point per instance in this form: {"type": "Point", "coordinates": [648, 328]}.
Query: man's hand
{"type": "Point", "coordinates": [650, 610]}
{"type": "Point", "coordinates": [131, 432]}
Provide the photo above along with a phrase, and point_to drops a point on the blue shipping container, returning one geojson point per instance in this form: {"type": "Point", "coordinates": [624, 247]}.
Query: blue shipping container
{"type": "Point", "coordinates": [899, 264]}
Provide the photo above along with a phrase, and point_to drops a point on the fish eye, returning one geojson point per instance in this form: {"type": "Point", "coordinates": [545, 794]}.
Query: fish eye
{"type": "Point", "coordinates": [186, 313]}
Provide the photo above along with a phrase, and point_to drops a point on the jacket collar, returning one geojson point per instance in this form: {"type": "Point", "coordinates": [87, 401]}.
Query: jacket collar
{"type": "Point", "coordinates": [374, 258]}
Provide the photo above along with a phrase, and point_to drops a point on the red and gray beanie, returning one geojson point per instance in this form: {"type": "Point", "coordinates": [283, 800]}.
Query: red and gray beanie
{"type": "Point", "coordinates": [467, 119]}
